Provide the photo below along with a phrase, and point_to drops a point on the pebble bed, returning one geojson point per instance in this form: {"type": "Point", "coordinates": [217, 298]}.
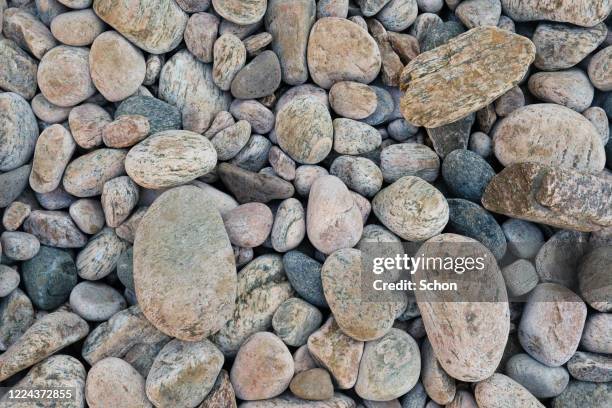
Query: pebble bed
{"type": "Point", "coordinates": [187, 186]}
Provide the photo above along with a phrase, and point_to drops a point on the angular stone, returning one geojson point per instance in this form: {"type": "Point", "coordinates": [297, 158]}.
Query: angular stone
{"type": "Point", "coordinates": [264, 357]}
{"type": "Point", "coordinates": [63, 76]}
{"type": "Point", "coordinates": [411, 208]}
{"type": "Point", "coordinates": [499, 391]}
{"type": "Point", "coordinates": [333, 219]}
{"type": "Point", "coordinates": [77, 28]}
{"type": "Point", "coordinates": [336, 352]}
{"type": "Point", "coordinates": [453, 136]}
{"type": "Point", "coordinates": [248, 186]}
{"type": "Point", "coordinates": [552, 323]}
{"type": "Point", "coordinates": [259, 78]}
{"type": "Point", "coordinates": [586, 13]}
{"type": "Point", "coordinates": [198, 104]}
{"type": "Point", "coordinates": [27, 31]}
{"type": "Point", "coordinates": [46, 336]}
{"type": "Point", "coordinates": [19, 131]}
{"type": "Point", "coordinates": [165, 286]}
{"type": "Point", "coordinates": [241, 12]}
{"type": "Point", "coordinates": [99, 257]}
{"type": "Point", "coordinates": [560, 46]}
{"type": "Point", "coordinates": [113, 382]}
{"type": "Point", "coordinates": [170, 158]}
{"type": "Point", "coordinates": [570, 88]}
{"type": "Point", "coordinates": [494, 59]}
{"type": "Point", "coordinates": [18, 70]}
{"type": "Point", "coordinates": [550, 195]}
{"type": "Point", "coordinates": [183, 373]}
{"type": "Point", "coordinates": [478, 313]}
{"type": "Point", "coordinates": [54, 228]}
{"type": "Point", "coordinates": [86, 175]}
{"type": "Point", "coordinates": [340, 50]}
{"type": "Point", "coordinates": [54, 148]}
{"type": "Point", "coordinates": [156, 26]}
{"type": "Point", "coordinates": [262, 288]}
{"type": "Point", "coordinates": [290, 22]}
{"type": "Point", "coordinates": [389, 367]}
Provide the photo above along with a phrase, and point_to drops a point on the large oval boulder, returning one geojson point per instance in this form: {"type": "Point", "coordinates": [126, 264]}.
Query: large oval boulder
{"type": "Point", "coordinates": [184, 268]}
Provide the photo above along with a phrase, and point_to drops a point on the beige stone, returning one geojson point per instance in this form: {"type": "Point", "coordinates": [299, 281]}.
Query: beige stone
{"type": "Point", "coordinates": [54, 149]}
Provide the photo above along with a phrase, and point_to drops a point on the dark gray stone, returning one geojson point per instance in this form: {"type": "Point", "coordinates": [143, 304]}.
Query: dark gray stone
{"type": "Point", "coordinates": [416, 397]}
{"type": "Point", "coordinates": [304, 274]}
{"type": "Point", "coordinates": [384, 108]}
{"type": "Point", "coordinates": [125, 268]}
{"type": "Point", "coordinates": [49, 277]}
{"type": "Point", "coordinates": [248, 187]}
{"type": "Point", "coordinates": [584, 394]}
{"type": "Point", "coordinates": [466, 174]}
{"type": "Point", "coordinates": [12, 183]}
{"type": "Point", "coordinates": [439, 34]}
{"type": "Point", "coordinates": [259, 78]}
{"type": "Point", "coordinates": [590, 367]}
{"type": "Point", "coordinates": [162, 116]}
{"type": "Point", "coordinates": [55, 200]}
{"type": "Point", "coordinates": [451, 137]}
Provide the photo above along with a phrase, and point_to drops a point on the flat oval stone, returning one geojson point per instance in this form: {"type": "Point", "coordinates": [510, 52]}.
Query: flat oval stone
{"type": "Point", "coordinates": [54, 149]}
{"type": "Point", "coordinates": [352, 100]}
{"type": "Point", "coordinates": [478, 312]}
{"type": "Point", "coordinates": [466, 174]}
{"type": "Point", "coordinates": [582, 393]}
{"type": "Point", "coordinates": [161, 116]}
{"type": "Point", "coordinates": [340, 50]}
{"type": "Point", "coordinates": [313, 385]}
{"type": "Point", "coordinates": [295, 320]}
{"type": "Point", "coordinates": [156, 26]}
{"type": "Point", "coordinates": [540, 380]}
{"type": "Point", "coordinates": [54, 228]}
{"type": "Point", "coordinates": [361, 175]}
{"type": "Point", "coordinates": [304, 274]}
{"type": "Point", "coordinates": [170, 158]}
{"type": "Point", "coordinates": [265, 357]}
{"type": "Point", "coordinates": [494, 59]}
{"type": "Point", "coordinates": [590, 367]}
{"type": "Point", "coordinates": [15, 214]}
{"type": "Point", "coordinates": [262, 120]}
{"type": "Point", "coordinates": [198, 104]}
{"type": "Point", "coordinates": [86, 175]}
{"type": "Point", "coordinates": [409, 159]}
{"type": "Point", "coordinates": [594, 282]}
{"type": "Point", "coordinates": [19, 70]}
{"type": "Point", "coordinates": [289, 23]}
{"type": "Point", "coordinates": [113, 382]}
{"type": "Point", "coordinates": [183, 373]}
{"type": "Point", "coordinates": [240, 11]}
{"type": "Point", "coordinates": [49, 277]}
{"type": "Point", "coordinates": [46, 336]}
{"type": "Point", "coordinates": [570, 88]}
{"type": "Point", "coordinates": [337, 353]}
{"type": "Point", "coordinates": [95, 301]}
{"type": "Point", "coordinates": [9, 280]}
{"type": "Point", "coordinates": [411, 208]}
{"type": "Point", "coordinates": [248, 186]}
{"type": "Point", "coordinates": [359, 319]}
{"type": "Point", "coordinates": [48, 112]}
{"type": "Point", "coordinates": [552, 323]}
{"type": "Point", "coordinates": [584, 13]}
{"type": "Point", "coordinates": [305, 130]}
{"type": "Point", "coordinates": [229, 141]}
{"type": "Point", "coordinates": [289, 228]}
{"type": "Point", "coordinates": [99, 257]}
{"type": "Point", "coordinates": [475, 13]}
{"type": "Point", "coordinates": [498, 390]}
{"type": "Point", "coordinates": [19, 131]}
{"type": "Point", "coordinates": [77, 28]}
{"type": "Point", "coordinates": [389, 367]}
{"type": "Point", "coordinates": [398, 15]}
{"type": "Point", "coordinates": [165, 286]}
{"type": "Point", "coordinates": [560, 46]}
{"type": "Point", "coordinates": [333, 220]}
{"type": "Point", "coordinates": [353, 137]}
{"type": "Point", "coordinates": [259, 78]}
{"type": "Point", "coordinates": [599, 69]}
{"type": "Point", "coordinates": [125, 131]}
{"type": "Point", "coordinates": [200, 35]}
{"type": "Point", "coordinates": [56, 372]}
{"type": "Point", "coordinates": [19, 246]}
{"type": "Point", "coordinates": [63, 76]}
{"type": "Point", "coordinates": [16, 316]}
{"type": "Point", "coordinates": [117, 67]}
{"type": "Point", "coordinates": [229, 57]}
{"type": "Point", "coordinates": [248, 225]}
{"type": "Point", "coordinates": [262, 288]}
{"type": "Point", "coordinates": [525, 136]}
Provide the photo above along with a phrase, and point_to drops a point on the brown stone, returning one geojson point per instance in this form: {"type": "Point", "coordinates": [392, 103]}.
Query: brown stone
{"type": "Point", "coordinates": [114, 383]}
{"type": "Point", "coordinates": [242, 12]}
{"type": "Point", "coordinates": [86, 123]}
{"type": "Point", "coordinates": [584, 13]}
{"type": "Point", "coordinates": [464, 75]}
{"type": "Point", "coordinates": [222, 393]}
{"type": "Point", "coordinates": [340, 50]}
{"type": "Point", "coordinates": [248, 186]}
{"type": "Point", "coordinates": [352, 100]}
{"type": "Point", "coordinates": [27, 31]}
{"type": "Point", "coordinates": [17, 70]}
{"type": "Point", "coordinates": [156, 26]}
{"type": "Point", "coordinates": [551, 195]}
{"type": "Point", "coordinates": [77, 28]}
{"type": "Point", "coordinates": [600, 72]}
{"type": "Point", "coordinates": [502, 391]}
{"type": "Point", "coordinates": [440, 387]}
{"type": "Point", "coordinates": [229, 57]}
{"type": "Point", "coordinates": [313, 385]}
{"type": "Point", "coordinates": [86, 175]}
{"type": "Point", "coordinates": [63, 76]}
{"type": "Point", "coordinates": [125, 131]}
{"type": "Point", "coordinates": [200, 35]}
{"type": "Point", "coordinates": [14, 215]}
{"type": "Point", "coordinates": [54, 228]}
{"type": "Point", "coordinates": [54, 149]}
{"type": "Point", "coordinates": [117, 67]}
{"type": "Point", "coordinates": [255, 44]}
{"type": "Point", "coordinates": [248, 225]}
{"type": "Point", "coordinates": [405, 45]}
{"type": "Point", "coordinates": [391, 64]}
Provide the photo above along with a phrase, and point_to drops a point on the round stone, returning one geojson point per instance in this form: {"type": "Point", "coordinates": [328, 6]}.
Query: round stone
{"type": "Point", "coordinates": [361, 175]}
{"type": "Point", "coordinates": [63, 76]}
{"type": "Point", "coordinates": [86, 124]}
{"type": "Point", "coordinates": [117, 67]}
{"type": "Point", "coordinates": [313, 385]}
{"type": "Point", "coordinates": [88, 215]}
{"type": "Point", "coordinates": [411, 208]}
{"type": "Point", "coordinates": [295, 320]}
{"type": "Point", "coordinates": [48, 112]}
{"type": "Point", "coordinates": [409, 159]}
{"type": "Point", "coordinates": [167, 287]}
{"type": "Point", "coordinates": [114, 383]}
{"type": "Point", "coordinates": [248, 225]}
{"type": "Point", "coordinates": [96, 302]}
{"type": "Point", "coordinates": [570, 88]}
{"type": "Point", "coordinates": [125, 131]}
{"type": "Point", "coordinates": [305, 130]}
{"type": "Point", "coordinates": [19, 246]}
{"type": "Point", "coordinates": [340, 50]}
{"type": "Point", "coordinates": [264, 357]}
{"type": "Point", "coordinates": [352, 100]}
{"type": "Point", "coordinates": [353, 137]}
